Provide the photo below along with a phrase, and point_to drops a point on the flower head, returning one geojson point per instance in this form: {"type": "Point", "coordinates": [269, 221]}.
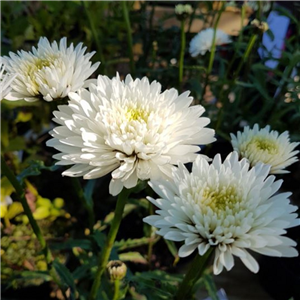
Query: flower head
{"type": "Point", "coordinates": [129, 127]}
{"type": "Point", "coordinates": [268, 147]}
{"type": "Point", "coordinates": [50, 71]}
{"type": "Point", "coordinates": [203, 41]}
{"type": "Point", "coordinates": [225, 206]}
{"type": "Point", "coordinates": [116, 270]}
{"type": "Point", "coordinates": [5, 81]}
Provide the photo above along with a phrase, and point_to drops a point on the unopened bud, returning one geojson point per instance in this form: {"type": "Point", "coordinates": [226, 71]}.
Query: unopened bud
{"type": "Point", "coordinates": [182, 11]}
{"type": "Point", "coordinates": [116, 270]}
{"type": "Point", "coordinates": [263, 26]}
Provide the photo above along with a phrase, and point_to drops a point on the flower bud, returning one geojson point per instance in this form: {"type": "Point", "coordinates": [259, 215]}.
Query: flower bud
{"type": "Point", "coordinates": [263, 26]}
{"type": "Point", "coordinates": [182, 11]}
{"type": "Point", "coordinates": [116, 270]}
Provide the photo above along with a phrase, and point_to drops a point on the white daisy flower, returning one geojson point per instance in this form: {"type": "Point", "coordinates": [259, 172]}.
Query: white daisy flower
{"type": "Point", "coordinates": [50, 71]}
{"type": "Point", "coordinates": [265, 5]}
{"type": "Point", "coordinates": [129, 127]}
{"type": "Point", "coordinates": [5, 81]}
{"type": "Point", "coordinates": [203, 41]}
{"type": "Point", "coordinates": [268, 147]}
{"type": "Point", "coordinates": [225, 206]}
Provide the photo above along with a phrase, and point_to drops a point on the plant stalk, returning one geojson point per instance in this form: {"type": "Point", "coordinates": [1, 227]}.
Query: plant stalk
{"type": "Point", "coordinates": [129, 37]}
{"type": "Point", "coordinates": [105, 253]}
{"type": "Point", "coordinates": [181, 55]}
{"type": "Point", "coordinates": [116, 289]}
{"type": "Point", "coordinates": [195, 272]}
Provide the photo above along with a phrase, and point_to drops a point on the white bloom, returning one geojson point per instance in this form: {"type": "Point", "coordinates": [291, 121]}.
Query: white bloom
{"type": "Point", "coordinates": [50, 71]}
{"type": "Point", "coordinates": [5, 81]}
{"type": "Point", "coordinates": [265, 5]}
{"type": "Point", "coordinates": [183, 9]}
{"type": "Point", "coordinates": [225, 206]}
{"type": "Point", "coordinates": [268, 147]}
{"type": "Point", "coordinates": [203, 41]}
{"type": "Point", "coordinates": [130, 128]}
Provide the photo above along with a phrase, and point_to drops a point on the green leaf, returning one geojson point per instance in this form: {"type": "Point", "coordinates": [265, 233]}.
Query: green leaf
{"type": "Point", "coordinates": [66, 277]}
{"type": "Point", "coordinates": [16, 144]}
{"type": "Point", "coordinates": [34, 169]}
{"type": "Point", "coordinates": [173, 249]}
{"type": "Point", "coordinates": [210, 286]}
{"type": "Point", "coordinates": [135, 257]}
{"type": "Point", "coordinates": [132, 243]}
{"type": "Point", "coordinates": [71, 243]}
{"type": "Point", "coordinates": [88, 192]}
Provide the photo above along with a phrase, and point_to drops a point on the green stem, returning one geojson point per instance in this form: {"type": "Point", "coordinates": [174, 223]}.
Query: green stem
{"type": "Point", "coordinates": [80, 194]}
{"type": "Point", "coordinates": [105, 254]}
{"type": "Point", "coordinates": [246, 54]}
{"type": "Point", "coordinates": [196, 270]}
{"type": "Point", "coordinates": [116, 289]}
{"type": "Point", "coordinates": [129, 37]}
{"type": "Point", "coordinates": [181, 55]}
{"type": "Point", "coordinates": [95, 36]}
{"type": "Point", "coordinates": [36, 229]}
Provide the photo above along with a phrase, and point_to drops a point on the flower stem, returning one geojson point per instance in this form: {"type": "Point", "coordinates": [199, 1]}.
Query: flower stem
{"type": "Point", "coordinates": [36, 229]}
{"type": "Point", "coordinates": [129, 37]}
{"type": "Point", "coordinates": [181, 55]}
{"type": "Point", "coordinates": [116, 289]}
{"type": "Point", "coordinates": [196, 270]}
{"type": "Point", "coordinates": [95, 36]}
{"type": "Point", "coordinates": [104, 256]}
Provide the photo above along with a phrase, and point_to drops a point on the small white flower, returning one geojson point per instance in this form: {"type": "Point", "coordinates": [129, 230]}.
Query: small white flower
{"type": "Point", "coordinates": [203, 41]}
{"type": "Point", "coordinates": [265, 5]}
{"type": "Point", "coordinates": [5, 81]}
{"type": "Point", "coordinates": [129, 128]}
{"type": "Point", "coordinates": [268, 147]}
{"type": "Point", "coordinates": [183, 9]}
{"type": "Point", "coordinates": [225, 206]}
{"type": "Point", "coordinates": [50, 71]}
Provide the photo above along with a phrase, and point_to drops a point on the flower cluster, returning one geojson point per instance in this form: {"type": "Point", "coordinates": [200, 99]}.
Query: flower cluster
{"type": "Point", "coordinates": [203, 41]}
{"type": "Point", "coordinates": [49, 72]}
{"type": "Point", "coordinates": [129, 128]}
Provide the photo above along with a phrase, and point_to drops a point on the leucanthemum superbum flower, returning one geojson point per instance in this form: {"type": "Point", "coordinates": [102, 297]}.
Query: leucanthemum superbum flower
{"type": "Point", "coordinates": [225, 206]}
{"type": "Point", "coordinates": [202, 42]}
{"type": "Point", "coordinates": [5, 81]}
{"type": "Point", "coordinates": [266, 146]}
{"type": "Point", "coordinates": [50, 71]}
{"type": "Point", "coordinates": [129, 128]}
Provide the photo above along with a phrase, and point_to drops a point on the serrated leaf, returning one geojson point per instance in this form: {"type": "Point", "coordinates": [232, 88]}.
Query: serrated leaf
{"type": "Point", "coordinates": [66, 277]}
{"type": "Point", "coordinates": [135, 257]}
{"type": "Point", "coordinates": [132, 243]}
{"type": "Point", "coordinates": [34, 169]}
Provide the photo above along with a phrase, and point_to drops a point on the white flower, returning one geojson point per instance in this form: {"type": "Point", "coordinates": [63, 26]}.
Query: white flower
{"type": "Point", "coordinates": [130, 128]}
{"type": "Point", "coordinates": [265, 5]}
{"type": "Point", "coordinates": [50, 72]}
{"type": "Point", "coordinates": [5, 81]}
{"type": "Point", "coordinates": [203, 41]}
{"type": "Point", "coordinates": [268, 147]}
{"type": "Point", "coordinates": [225, 206]}
{"type": "Point", "coordinates": [183, 9]}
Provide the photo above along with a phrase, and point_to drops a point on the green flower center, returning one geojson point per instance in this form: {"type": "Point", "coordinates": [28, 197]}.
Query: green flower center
{"type": "Point", "coordinates": [136, 114]}
{"type": "Point", "coordinates": [263, 144]}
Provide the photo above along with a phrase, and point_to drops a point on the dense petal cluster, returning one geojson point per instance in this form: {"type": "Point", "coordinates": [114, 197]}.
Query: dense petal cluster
{"type": "Point", "coordinates": [266, 146]}
{"type": "Point", "coordinates": [129, 128]}
{"type": "Point", "coordinates": [50, 71]}
{"type": "Point", "coordinates": [225, 206]}
{"type": "Point", "coordinates": [202, 42]}
{"type": "Point", "coordinates": [5, 81]}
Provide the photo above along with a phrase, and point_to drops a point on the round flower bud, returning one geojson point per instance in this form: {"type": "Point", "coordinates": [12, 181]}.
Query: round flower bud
{"type": "Point", "coordinates": [116, 270]}
{"type": "Point", "coordinates": [262, 26]}
{"type": "Point", "coordinates": [182, 11]}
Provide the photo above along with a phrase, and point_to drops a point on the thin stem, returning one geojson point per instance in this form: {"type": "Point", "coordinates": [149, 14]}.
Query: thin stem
{"type": "Point", "coordinates": [105, 254]}
{"type": "Point", "coordinates": [181, 55]}
{"type": "Point", "coordinates": [152, 234]}
{"type": "Point", "coordinates": [116, 289]}
{"type": "Point", "coordinates": [36, 229]}
{"type": "Point", "coordinates": [95, 36]}
{"type": "Point", "coordinates": [80, 194]}
{"type": "Point", "coordinates": [196, 270]}
{"type": "Point", "coordinates": [129, 37]}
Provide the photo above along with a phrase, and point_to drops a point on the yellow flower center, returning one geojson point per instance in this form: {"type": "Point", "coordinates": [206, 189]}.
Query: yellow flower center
{"type": "Point", "coordinates": [136, 114]}
{"type": "Point", "coordinates": [263, 144]}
